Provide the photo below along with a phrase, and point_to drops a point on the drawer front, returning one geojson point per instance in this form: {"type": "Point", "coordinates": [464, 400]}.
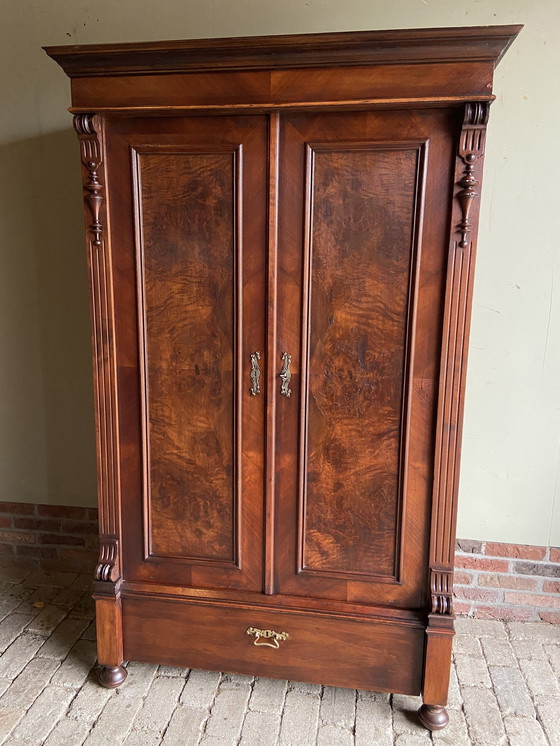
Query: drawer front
{"type": "Point", "coordinates": [349, 652]}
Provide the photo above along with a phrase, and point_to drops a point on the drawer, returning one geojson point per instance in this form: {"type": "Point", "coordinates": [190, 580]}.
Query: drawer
{"type": "Point", "coordinates": [318, 648]}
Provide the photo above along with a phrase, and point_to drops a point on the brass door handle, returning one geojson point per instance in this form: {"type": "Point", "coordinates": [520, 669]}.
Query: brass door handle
{"type": "Point", "coordinates": [285, 375]}
{"type": "Point", "coordinates": [268, 634]}
{"type": "Point", "coordinates": [255, 374]}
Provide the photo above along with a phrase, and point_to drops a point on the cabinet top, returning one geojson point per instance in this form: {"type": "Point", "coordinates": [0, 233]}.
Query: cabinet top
{"type": "Point", "coordinates": [406, 46]}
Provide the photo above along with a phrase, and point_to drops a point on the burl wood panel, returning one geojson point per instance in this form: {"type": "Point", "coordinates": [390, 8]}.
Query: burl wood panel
{"type": "Point", "coordinates": [361, 247]}
{"type": "Point", "coordinates": [187, 227]}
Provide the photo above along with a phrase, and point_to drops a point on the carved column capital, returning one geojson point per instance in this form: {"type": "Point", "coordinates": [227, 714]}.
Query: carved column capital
{"type": "Point", "coordinates": [471, 149]}
{"type": "Point", "coordinates": [108, 564]}
{"type": "Point", "coordinates": [86, 126]}
{"type": "Point", "coordinates": [476, 114]}
{"type": "Point", "coordinates": [441, 590]}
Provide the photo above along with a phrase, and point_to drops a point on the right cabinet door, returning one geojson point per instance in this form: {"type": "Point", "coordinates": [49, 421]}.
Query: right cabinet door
{"type": "Point", "coordinates": [363, 236]}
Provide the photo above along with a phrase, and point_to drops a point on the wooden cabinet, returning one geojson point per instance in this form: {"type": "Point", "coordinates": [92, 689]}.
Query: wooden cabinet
{"type": "Point", "coordinates": [281, 237]}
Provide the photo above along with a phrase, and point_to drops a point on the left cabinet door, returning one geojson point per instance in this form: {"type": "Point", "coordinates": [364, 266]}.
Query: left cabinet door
{"type": "Point", "coordinates": [187, 213]}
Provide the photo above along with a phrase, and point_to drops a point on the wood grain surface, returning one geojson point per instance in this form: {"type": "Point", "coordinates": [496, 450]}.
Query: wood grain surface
{"type": "Point", "coordinates": [191, 345]}
{"type": "Point", "coordinates": [329, 649]}
{"type": "Point", "coordinates": [361, 248]}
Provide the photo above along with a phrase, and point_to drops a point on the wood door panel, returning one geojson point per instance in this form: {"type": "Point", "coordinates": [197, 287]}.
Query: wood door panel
{"type": "Point", "coordinates": [198, 193]}
{"type": "Point", "coordinates": [189, 268]}
{"type": "Point", "coordinates": [363, 201]}
{"type": "Point", "coordinates": [354, 440]}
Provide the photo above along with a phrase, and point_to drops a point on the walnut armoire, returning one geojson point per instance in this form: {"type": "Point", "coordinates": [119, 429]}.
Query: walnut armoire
{"type": "Point", "coordinates": [281, 235]}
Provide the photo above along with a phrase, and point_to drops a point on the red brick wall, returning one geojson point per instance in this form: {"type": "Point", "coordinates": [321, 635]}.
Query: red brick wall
{"type": "Point", "coordinates": [54, 537]}
{"type": "Point", "coordinates": [507, 581]}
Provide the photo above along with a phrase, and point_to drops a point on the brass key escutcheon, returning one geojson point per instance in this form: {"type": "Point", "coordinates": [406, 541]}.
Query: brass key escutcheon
{"type": "Point", "coordinates": [285, 375]}
{"type": "Point", "coordinates": [255, 374]}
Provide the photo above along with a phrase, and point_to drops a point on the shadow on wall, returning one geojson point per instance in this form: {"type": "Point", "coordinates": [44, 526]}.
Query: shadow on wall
{"type": "Point", "coordinates": [46, 413]}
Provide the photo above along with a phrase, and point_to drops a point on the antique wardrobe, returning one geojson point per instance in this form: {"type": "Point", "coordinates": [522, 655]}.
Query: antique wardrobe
{"type": "Point", "coordinates": [281, 235]}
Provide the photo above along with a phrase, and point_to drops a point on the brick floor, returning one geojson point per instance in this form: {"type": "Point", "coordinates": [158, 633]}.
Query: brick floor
{"type": "Point", "coordinates": [504, 688]}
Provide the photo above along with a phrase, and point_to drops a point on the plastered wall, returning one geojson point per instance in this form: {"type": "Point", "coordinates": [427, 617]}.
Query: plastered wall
{"type": "Point", "coordinates": [509, 484]}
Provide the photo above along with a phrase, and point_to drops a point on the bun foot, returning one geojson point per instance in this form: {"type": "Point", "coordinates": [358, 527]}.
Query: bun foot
{"type": "Point", "coordinates": [433, 717]}
{"type": "Point", "coordinates": [112, 676]}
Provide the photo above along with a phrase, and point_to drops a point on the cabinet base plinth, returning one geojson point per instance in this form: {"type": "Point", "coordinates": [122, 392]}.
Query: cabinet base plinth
{"type": "Point", "coordinates": [112, 676]}
{"type": "Point", "coordinates": [433, 717]}
{"type": "Point", "coordinates": [212, 635]}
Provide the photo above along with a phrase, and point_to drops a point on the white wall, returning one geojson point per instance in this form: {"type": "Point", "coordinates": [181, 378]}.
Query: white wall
{"type": "Point", "coordinates": [512, 425]}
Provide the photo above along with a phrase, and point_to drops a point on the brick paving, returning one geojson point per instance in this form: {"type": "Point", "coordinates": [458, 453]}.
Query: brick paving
{"type": "Point", "coordinates": [504, 688]}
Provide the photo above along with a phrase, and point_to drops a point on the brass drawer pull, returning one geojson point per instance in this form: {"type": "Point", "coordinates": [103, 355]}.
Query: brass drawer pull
{"type": "Point", "coordinates": [286, 375]}
{"type": "Point", "coordinates": [268, 634]}
{"type": "Point", "coordinates": [255, 374]}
